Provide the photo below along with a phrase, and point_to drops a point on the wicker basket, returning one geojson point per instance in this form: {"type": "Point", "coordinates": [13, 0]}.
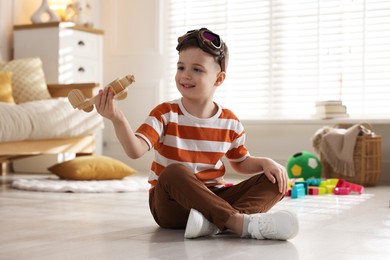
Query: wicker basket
{"type": "Point", "coordinates": [367, 158]}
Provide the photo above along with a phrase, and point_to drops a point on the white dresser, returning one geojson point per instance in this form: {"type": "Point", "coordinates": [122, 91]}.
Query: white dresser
{"type": "Point", "coordinates": [69, 53]}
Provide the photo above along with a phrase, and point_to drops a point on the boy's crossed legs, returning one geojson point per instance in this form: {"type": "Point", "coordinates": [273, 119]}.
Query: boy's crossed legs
{"type": "Point", "coordinates": [180, 201]}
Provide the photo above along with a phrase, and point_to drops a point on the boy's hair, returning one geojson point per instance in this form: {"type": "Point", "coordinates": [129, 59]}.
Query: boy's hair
{"type": "Point", "coordinates": [222, 55]}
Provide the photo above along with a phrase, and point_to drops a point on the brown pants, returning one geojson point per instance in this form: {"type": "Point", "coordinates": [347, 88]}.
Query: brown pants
{"type": "Point", "coordinates": [178, 190]}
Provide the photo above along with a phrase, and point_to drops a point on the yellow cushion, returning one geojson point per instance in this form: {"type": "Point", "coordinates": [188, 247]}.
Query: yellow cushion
{"type": "Point", "coordinates": [28, 79]}
{"type": "Point", "coordinates": [92, 168]}
{"type": "Point", "coordinates": [6, 87]}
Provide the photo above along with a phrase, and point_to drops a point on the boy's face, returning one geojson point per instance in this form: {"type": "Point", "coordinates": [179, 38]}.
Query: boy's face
{"type": "Point", "coordinates": [197, 75]}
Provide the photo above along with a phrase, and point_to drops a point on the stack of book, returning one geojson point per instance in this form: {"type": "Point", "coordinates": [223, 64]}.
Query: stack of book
{"type": "Point", "coordinates": [330, 109]}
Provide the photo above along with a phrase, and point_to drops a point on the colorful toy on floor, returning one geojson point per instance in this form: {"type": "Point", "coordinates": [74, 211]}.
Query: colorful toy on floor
{"type": "Point", "coordinates": [304, 165]}
{"type": "Point", "coordinates": [298, 191]}
{"type": "Point", "coordinates": [313, 191]}
{"type": "Point", "coordinates": [342, 191]}
{"type": "Point", "coordinates": [298, 187]}
{"type": "Point", "coordinates": [118, 86]}
{"type": "Point", "coordinates": [350, 186]}
{"type": "Point", "coordinates": [329, 185]}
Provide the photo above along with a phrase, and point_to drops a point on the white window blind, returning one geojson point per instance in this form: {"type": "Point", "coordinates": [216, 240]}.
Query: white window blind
{"type": "Point", "coordinates": [286, 55]}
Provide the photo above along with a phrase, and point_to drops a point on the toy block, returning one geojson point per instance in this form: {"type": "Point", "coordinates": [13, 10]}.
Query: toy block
{"type": "Point", "coordinates": [314, 181]}
{"type": "Point", "coordinates": [313, 190]}
{"type": "Point", "coordinates": [357, 188]}
{"type": "Point", "coordinates": [288, 193]}
{"type": "Point", "coordinates": [330, 189]}
{"type": "Point", "coordinates": [353, 187]}
{"type": "Point", "coordinates": [295, 180]}
{"type": "Point", "coordinates": [305, 186]}
{"type": "Point", "coordinates": [329, 185]}
{"type": "Point", "coordinates": [333, 181]}
{"type": "Point", "coordinates": [341, 183]}
{"type": "Point", "coordinates": [321, 191]}
{"type": "Point", "coordinates": [324, 183]}
{"type": "Point", "coordinates": [327, 188]}
{"type": "Point", "coordinates": [341, 191]}
{"type": "Point", "coordinates": [298, 191]}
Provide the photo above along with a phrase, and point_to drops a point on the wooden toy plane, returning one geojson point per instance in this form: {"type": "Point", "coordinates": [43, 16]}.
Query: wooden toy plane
{"type": "Point", "coordinates": [118, 86]}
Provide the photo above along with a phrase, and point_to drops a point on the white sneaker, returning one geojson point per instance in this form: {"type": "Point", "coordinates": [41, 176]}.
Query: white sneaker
{"type": "Point", "coordinates": [198, 226]}
{"type": "Point", "coordinates": [281, 225]}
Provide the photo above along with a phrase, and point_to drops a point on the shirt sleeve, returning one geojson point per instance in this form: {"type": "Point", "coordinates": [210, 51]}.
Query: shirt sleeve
{"type": "Point", "coordinates": [238, 151]}
{"type": "Point", "coordinates": [152, 129]}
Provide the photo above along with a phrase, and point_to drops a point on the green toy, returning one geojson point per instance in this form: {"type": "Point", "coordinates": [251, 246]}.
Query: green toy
{"type": "Point", "coordinates": [304, 165]}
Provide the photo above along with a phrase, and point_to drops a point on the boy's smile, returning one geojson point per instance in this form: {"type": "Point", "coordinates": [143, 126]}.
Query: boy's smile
{"type": "Point", "coordinates": [187, 85]}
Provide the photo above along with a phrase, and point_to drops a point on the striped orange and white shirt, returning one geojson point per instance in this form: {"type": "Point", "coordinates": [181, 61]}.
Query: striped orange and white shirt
{"type": "Point", "coordinates": [200, 144]}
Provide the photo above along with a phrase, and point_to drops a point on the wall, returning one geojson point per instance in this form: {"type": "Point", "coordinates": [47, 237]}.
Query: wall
{"type": "Point", "coordinates": [24, 9]}
{"type": "Point", "coordinates": [6, 23]}
{"type": "Point", "coordinates": [132, 44]}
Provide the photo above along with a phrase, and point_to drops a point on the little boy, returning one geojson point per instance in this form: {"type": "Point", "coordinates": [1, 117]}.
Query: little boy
{"type": "Point", "coordinates": [190, 136]}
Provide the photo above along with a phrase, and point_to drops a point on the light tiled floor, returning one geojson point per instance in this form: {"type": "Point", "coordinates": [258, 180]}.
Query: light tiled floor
{"type": "Point", "coordinates": [38, 225]}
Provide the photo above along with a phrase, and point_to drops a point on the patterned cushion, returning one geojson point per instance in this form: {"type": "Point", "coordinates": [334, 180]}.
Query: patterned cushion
{"type": "Point", "coordinates": [28, 81]}
{"type": "Point", "coordinates": [5, 87]}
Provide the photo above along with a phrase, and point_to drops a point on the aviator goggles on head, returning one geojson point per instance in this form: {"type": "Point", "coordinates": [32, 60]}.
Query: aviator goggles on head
{"type": "Point", "coordinates": [207, 41]}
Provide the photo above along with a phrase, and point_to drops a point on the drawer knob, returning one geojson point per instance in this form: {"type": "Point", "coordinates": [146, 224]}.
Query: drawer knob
{"type": "Point", "coordinates": [81, 69]}
{"type": "Point", "coordinates": [81, 43]}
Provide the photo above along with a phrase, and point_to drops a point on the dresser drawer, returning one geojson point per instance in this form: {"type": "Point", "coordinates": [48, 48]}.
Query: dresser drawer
{"type": "Point", "coordinates": [85, 44]}
{"type": "Point", "coordinates": [85, 70]}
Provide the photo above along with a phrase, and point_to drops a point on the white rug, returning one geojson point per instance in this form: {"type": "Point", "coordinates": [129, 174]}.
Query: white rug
{"type": "Point", "coordinates": [128, 184]}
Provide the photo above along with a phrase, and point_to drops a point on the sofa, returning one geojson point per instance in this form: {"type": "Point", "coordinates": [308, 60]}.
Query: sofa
{"type": "Point", "coordinates": [36, 118]}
